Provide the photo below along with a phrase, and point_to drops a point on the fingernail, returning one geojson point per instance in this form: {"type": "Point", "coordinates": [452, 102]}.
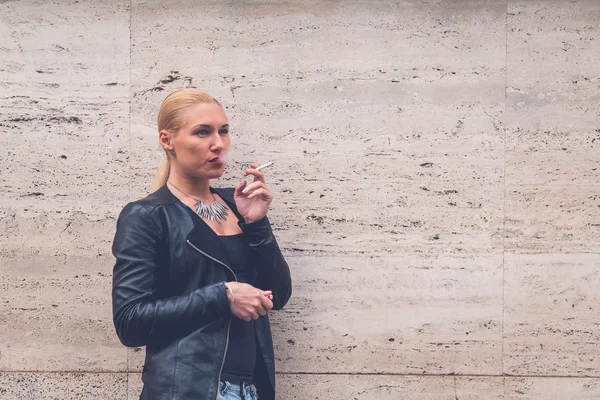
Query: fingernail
{"type": "Point", "coordinates": [245, 190]}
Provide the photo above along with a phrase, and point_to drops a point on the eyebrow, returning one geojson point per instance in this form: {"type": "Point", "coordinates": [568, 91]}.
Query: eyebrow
{"type": "Point", "coordinates": [208, 126]}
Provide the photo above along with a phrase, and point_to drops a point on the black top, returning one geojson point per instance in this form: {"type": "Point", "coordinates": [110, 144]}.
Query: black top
{"type": "Point", "coordinates": [241, 352]}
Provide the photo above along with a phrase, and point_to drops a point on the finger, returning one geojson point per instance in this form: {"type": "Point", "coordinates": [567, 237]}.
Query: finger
{"type": "Point", "coordinates": [267, 293]}
{"type": "Point", "coordinates": [240, 188]}
{"type": "Point", "coordinates": [253, 186]}
{"type": "Point", "coordinates": [255, 315]}
{"type": "Point", "coordinates": [264, 192]}
{"type": "Point", "coordinates": [241, 315]}
{"type": "Point", "coordinates": [258, 175]}
{"type": "Point", "coordinates": [253, 165]}
{"type": "Point", "coordinates": [266, 303]}
{"type": "Point", "coordinates": [261, 310]}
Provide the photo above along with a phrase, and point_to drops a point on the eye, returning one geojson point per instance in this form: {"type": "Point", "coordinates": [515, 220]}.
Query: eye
{"type": "Point", "coordinates": [202, 132]}
{"type": "Point", "coordinates": [223, 132]}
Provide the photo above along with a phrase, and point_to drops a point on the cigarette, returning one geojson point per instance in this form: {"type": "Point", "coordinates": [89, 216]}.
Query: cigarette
{"type": "Point", "coordinates": [265, 165]}
{"type": "Point", "coordinates": [269, 296]}
{"type": "Point", "coordinates": [258, 169]}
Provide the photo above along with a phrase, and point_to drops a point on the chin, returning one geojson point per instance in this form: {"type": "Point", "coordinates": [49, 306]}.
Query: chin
{"type": "Point", "coordinates": [207, 172]}
{"type": "Point", "coordinates": [216, 173]}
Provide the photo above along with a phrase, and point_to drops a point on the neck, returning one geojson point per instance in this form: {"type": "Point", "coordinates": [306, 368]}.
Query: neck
{"type": "Point", "coordinates": [183, 186]}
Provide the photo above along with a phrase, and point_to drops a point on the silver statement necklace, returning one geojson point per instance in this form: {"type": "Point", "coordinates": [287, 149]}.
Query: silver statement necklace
{"type": "Point", "coordinates": [214, 211]}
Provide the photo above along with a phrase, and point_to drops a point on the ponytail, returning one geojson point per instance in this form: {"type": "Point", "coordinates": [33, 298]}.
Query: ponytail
{"type": "Point", "coordinates": [162, 174]}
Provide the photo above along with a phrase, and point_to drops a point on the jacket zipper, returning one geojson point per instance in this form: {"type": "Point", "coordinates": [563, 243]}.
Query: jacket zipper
{"type": "Point", "coordinates": [228, 325]}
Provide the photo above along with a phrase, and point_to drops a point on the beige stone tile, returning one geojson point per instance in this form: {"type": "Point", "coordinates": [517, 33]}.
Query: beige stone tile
{"type": "Point", "coordinates": [476, 388]}
{"type": "Point", "coordinates": [51, 230]}
{"type": "Point", "coordinates": [552, 219]}
{"type": "Point", "coordinates": [134, 386]}
{"type": "Point", "coordinates": [412, 314]}
{"type": "Point", "coordinates": [425, 210]}
{"type": "Point", "coordinates": [65, 104]}
{"type": "Point", "coordinates": [553, 135]}
{"type": "Point", "coordinates": [552, 53]}
{"type": "Point", "coordinates": [564, 158]}
{"type": "Point", "coordinates": [64, 73]}
{"type": "Point", "coordinates": [427, 88]}
{"type": "Point", "coordinates": [363, 387]}
{"type": "Point", "coordinates": [56, 315]}
{"type": "Point", "coordinates": [135, 359]}
{"type": "Point", "coordinates": [551, 388]}
{"type": "Point", "coordinates": [550, 326]}
{"type": "Point", "coordinates": [64, 386]}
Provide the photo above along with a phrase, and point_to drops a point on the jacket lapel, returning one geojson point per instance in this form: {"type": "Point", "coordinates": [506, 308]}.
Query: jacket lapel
{"type": "Point", "coordinates": [207, 241]}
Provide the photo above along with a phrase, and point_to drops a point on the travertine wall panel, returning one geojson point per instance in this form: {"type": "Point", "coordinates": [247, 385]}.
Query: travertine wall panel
{"type": "Point", "coordinates": [552, 201]}
{"type": "Point", "coordinates": [64, 78]}
{"type": "Point", "coordinates": [64, 135]}
{"type": "Point", "coordinates": [551, 327]}
{"type": "Point", "coordinates": [413, 314]}
{"type": "Point", "coordinates": [56, 315]}
{"type": "Point", "coordinates": [551, 388]}
{"type": "Point", "coordinates": [64, 386]}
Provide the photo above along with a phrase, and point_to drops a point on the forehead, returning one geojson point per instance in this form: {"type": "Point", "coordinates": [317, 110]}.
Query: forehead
{"type": "Point", "coordinates": [204, 113]}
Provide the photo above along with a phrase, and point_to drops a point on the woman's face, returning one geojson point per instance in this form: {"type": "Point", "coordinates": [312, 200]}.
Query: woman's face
{"type": "Point", "coordinates": [199, 147]}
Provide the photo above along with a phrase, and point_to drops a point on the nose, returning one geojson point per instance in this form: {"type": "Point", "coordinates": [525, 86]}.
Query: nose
{"type": "Point", "coordinates": [217, 144]}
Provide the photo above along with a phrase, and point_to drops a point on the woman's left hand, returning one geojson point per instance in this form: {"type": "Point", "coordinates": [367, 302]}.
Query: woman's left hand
{"type": "Point", "coordinates": [253, 200]}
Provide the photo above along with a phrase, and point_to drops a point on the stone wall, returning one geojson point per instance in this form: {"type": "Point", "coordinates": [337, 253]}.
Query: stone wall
{"type": "Point", "coordinates": [436, 181]}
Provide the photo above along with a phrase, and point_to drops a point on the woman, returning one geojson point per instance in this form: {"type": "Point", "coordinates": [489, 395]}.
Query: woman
{"type": "Point", "coordinates": [196, 267]}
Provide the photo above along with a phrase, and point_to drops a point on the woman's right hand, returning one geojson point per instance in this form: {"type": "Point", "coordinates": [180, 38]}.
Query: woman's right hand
{"type": "Point", "coordinates": [248, 302]}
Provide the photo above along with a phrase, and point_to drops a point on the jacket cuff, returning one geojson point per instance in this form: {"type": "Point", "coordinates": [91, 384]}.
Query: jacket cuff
{"type": "Point", "coordinates": [258, 232]}
{"type": "Point", "coordinates": [222, 299]}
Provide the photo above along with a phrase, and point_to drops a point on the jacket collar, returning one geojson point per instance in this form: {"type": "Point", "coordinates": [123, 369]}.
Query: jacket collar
{"type": "Point", "coordinates": [202, 237]}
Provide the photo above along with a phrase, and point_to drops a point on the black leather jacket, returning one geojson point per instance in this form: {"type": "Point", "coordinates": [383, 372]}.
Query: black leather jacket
{"type": "Point", "coordinates": [168, 295]}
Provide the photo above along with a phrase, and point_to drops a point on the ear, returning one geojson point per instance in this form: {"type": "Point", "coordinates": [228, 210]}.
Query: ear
{"type": "Point", "coordinates": [165, 140]}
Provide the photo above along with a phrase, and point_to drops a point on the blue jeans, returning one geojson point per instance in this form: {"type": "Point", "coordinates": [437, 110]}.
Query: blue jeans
{"type": "Point", "coordinates": [230, 391]}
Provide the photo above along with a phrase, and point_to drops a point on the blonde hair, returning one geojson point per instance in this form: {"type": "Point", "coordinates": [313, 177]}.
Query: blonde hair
{"type": "Point", "coordinates": [170, 118]}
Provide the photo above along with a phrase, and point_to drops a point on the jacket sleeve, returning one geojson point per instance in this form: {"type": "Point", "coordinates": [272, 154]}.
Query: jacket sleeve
{"type": "Point", "coordinates": [273, 270]}
{"type": "Point", "coordinates": [139, 316]}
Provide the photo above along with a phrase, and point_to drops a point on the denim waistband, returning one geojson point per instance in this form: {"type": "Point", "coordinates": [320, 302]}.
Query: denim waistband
{"type": "Point", "coordinates": [243, 389]}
